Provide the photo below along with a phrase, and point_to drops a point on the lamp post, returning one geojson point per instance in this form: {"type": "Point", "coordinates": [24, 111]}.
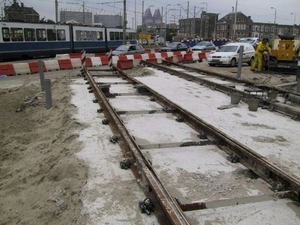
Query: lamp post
{"type": "Point", "coordinates": [166, 19]}
{"type": "Point", "coordinates": [206, 5]}
{"type": "Point", "coordinates": [235, 15]}
{"type": "Point", "coordinates": [294, 21]}
{"type": "Point", "coordinates": [124, 22]}
{"type": "Point", "coordinates": [274, 20]}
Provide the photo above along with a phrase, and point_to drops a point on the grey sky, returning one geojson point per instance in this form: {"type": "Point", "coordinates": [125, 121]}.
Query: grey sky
{"type": "Point", "coordinates": [259, 10]}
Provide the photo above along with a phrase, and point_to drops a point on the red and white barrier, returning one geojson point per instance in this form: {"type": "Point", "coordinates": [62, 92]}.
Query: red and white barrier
{"type": "Point", "coordinates": [83, 58]}
{"type": "Point", "coordinates": [65, 62]}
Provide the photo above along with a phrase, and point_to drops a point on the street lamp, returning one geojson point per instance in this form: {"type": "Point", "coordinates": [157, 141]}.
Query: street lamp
{"type": "Point", "coordinates": [166, 18]}
{"type": "Point", "coordinates": [274, 20]}
{"type": "Point", "coordinates": [294, 21]}
{"type": "Point", "coordinates": [206, 5]}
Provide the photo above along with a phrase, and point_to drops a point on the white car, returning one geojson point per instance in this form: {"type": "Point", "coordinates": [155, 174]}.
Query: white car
{"type": "Point", "coordinates": [229, 55]}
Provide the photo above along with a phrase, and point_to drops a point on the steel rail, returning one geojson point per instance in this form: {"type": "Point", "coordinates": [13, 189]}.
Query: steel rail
{"type": "Point", "coordinates": [167, 209]}
{"type": "Point", "coordinates": [280, 108]}
{"type": "Point", "coordinates": [249, 158]}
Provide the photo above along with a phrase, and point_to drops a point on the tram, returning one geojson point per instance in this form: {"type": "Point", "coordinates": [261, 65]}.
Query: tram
{"type": "Point", "coordinates": [28, 40]}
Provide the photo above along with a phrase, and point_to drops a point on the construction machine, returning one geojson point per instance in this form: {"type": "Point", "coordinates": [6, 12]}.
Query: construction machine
{"type": "Point", "coordinates": [284, 54]}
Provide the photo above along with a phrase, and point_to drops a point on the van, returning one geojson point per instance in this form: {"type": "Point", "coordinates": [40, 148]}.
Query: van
{"type": "Point", "coordinates": [229, 54]}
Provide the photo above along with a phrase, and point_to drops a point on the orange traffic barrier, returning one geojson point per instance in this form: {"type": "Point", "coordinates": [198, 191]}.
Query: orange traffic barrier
{"type": "Point", "coordinates": [137, 56]}
{"type": "Point", "coordinates": [88, 62]}
{"type": "Point", "coordinates": [188, 57]}
{"type": "Point", "coordinates": [34, 67]}
{"type": "Point", "coordinates": [125, 64]}
{"type": "Point", "coordinates": [65, 64]}
{"type": "Point", "coordinates": [170, 59]}
{"type": "Point", "coordinates": [152, 56]}
{"type": "Point", "coordinates": [154, 61]}
{"type": "Point", "coordinates": [7, 69]}
{"type": "Point", "coordinates": [75, 55]}
{"type": "Point", "coordinates": [104, 60]}
{"type": "Point", "coordinates": [122, 58]}
{"type": "Point", "coordinates": [201, 55]}
{"type": "Point", "coordinates": [164, 55]}
{"type": "Point", "coordinates": [177, 53]}
{"type": "Point", "coordinates": [179, 57]}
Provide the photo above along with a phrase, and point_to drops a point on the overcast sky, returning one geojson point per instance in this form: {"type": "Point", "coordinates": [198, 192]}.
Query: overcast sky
{"type": "Point", "coordinates": [259, 10]}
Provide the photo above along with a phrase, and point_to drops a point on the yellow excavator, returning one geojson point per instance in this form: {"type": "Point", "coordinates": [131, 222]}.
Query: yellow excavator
{"type": "Point", "coordinates": [285, 54]}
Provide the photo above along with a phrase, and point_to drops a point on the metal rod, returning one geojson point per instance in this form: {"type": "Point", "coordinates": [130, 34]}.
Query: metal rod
{"type": "Point", "coordinates": [48, 93]}
{"type": "Point", "coordinates": [42, 77]}
{"type": "Point", "coordinates": [240, 62]}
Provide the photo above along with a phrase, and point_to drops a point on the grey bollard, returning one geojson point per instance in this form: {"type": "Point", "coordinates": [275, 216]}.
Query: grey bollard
{"type": "Point", "coordinates": [298, 77]}
{"type": "Point", "coordinates": [48, 93]}
{"type": "Point", "coordinates": [42, 77]}
{"type": "Point", "coordinates": [240, 62]}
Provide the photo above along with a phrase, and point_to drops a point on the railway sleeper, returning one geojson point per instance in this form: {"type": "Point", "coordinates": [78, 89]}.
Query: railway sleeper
{"type": "Point", "coordinates": [234, 201]}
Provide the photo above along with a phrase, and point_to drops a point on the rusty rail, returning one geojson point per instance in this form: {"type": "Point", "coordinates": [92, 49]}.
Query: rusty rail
{"type": "Point", "coordinates": [168, 211]}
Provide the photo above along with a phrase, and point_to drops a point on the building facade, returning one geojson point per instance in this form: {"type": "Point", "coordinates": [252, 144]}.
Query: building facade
{"type": "Point", "coordinates": [20, 13]}
{"type": "Point", "coordinates": [268, 30]}
{"type": "Point", "coordinates": [79, 17]}
{"type": "Point", "coordinates": [226, 28]}
{"type": "Point", "coordinates": [203, 27]}
{"type": "Point", "coordinates": [108, 20]}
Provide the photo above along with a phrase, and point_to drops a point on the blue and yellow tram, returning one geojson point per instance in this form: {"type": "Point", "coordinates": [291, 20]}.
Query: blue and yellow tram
{"type": "Point", "coordinates": [27, 40]}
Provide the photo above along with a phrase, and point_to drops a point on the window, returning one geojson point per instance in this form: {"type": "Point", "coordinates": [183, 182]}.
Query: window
{"type": "Point", "coordinates": [61, 35]}
{"type": "Point", "coordinates": [267, 28]}
{"type": "Point", "coordinates": [41, 34]}
{"type": "Point", "coordinates": [79, 35]}
{"type": "Point", "coordinates": [86, 35]}
{"type": "Point", "coordinates": [16, 34]}
{"type": "Point", "coordinates": [112, 36]}
{"type": "Point", "coordinates": [100, 36]}
{"type": "Point", "coordinates": [5, 34]}
{"type": "Point", "coordinates": [262, 28]}
{"type": "Point", "coordinates": [51, 34]}
{"type": "Point", "coordinates": [29, 34]}
{"type": "Point", "coordinates": [121, 36]}
{"type": "Point", "coordinates": [93, 36]}
{"type": "Point", "coordinates": [117, 36]}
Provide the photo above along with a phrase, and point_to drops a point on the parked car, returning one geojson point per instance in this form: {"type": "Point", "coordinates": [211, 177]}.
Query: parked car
{"type": "Point", "coordinates": [251, 40]}
{"type": "Point", "coordinates": [228, 42]}
{"type": "Point", "coordinates": [174, 46]}
{"type": "Point", "coordinates": [204, 45]}
{"type": "Point", "coordinates": [130, 49]}
{"type": "Point", "coordinates": [229, 54]}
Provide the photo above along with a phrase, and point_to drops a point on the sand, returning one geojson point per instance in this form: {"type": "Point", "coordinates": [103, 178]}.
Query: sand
{"type": "Point", "coordinates": [40, 177]}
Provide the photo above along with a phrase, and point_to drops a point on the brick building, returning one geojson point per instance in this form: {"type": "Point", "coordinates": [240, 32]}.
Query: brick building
{"type": "Point", "coordinates": [20, 13]}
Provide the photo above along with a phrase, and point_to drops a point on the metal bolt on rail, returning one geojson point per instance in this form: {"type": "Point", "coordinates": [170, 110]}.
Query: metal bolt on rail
{"type": "Point", "coordinates": [95, 100]}
{"type": "Point", "coordinates": [146, 206]}
{"type": "Point", "coordinates": [233, 158]}
{"type": "Point", "coordinates": [113, 139]}
{"type": "Point", "coordinates": [179, 119]}
{"type": "Point", "coordinates": [125, 164]}
{"type": "Point", "coordinates": [100, 110]}
{"type": "Point", "coordinates": [202, 135]}
{"type": "Point", "coordinates": [105, 121]}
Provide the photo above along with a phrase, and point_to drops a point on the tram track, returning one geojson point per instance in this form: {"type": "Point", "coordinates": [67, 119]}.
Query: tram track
{"type": "Point", "coordinates": [168, 209]}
